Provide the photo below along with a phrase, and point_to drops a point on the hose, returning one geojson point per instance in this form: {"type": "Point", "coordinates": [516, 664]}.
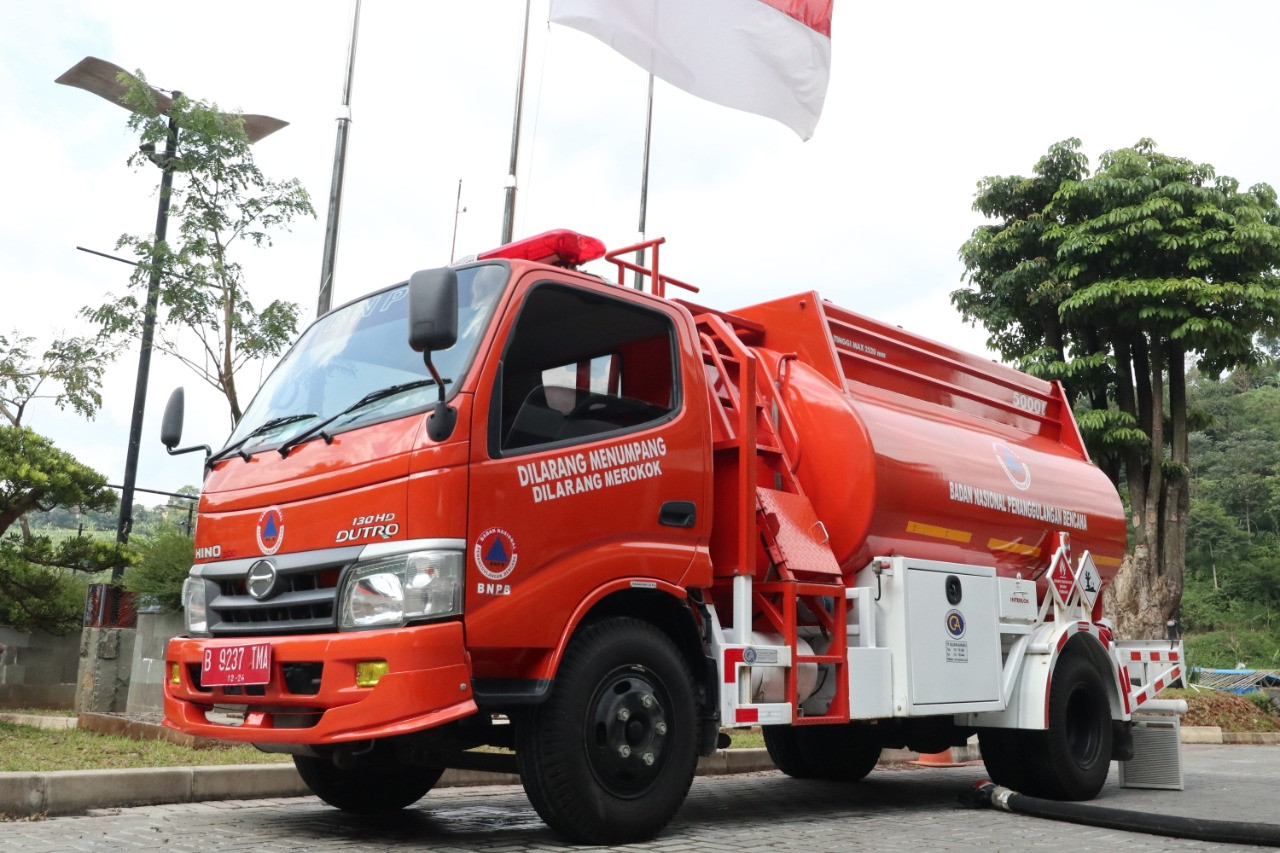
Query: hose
{"type": "Point", "coordinates": [989, 794]}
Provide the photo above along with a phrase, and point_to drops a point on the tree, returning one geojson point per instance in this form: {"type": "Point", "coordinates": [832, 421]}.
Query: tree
{"type": "Point", "coordinates": [69, 372]}
{"type": "Point", "coordinates": [34, 587]}
{"type": "Point", "coordinates": [220, 199]}
{"type": "Point", "coordinates": [1111, 282]}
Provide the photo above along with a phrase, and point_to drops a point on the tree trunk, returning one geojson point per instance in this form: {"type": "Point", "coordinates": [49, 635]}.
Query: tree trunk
{"type": "Point", "coordinates": [1145, 593]}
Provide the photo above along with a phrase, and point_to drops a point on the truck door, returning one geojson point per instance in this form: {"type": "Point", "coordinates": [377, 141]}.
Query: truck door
{"type": "Point", "coordinates": [590, 463]}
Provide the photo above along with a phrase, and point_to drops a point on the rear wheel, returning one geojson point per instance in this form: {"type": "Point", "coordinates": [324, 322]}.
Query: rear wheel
{"type": "Point", "coordinates": [1004, 751]}
{"type": "Point", "coordinates": [843, 753]}
{"type": "Point", "coordinates": [783, 744]}
{"type": "Point", "coordinates": [1073, 757]}
{"type": "Point", "coordinates": [609, 757]}
{"type": "Point", "coordinates": [372, 787]}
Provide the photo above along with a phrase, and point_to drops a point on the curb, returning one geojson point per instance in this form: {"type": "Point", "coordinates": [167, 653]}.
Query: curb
{"type": "Point", "coordinates": [1214, 734]}
{"type": "Point", "coordinates": [70, 792]}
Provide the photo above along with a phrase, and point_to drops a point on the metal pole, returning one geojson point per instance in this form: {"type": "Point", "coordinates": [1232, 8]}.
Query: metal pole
{"type": "Point", "coordinates": [457, 210]}
{"type": "Point", "coordinates": [339, 167]}
{"type": "Point", "coordinates": [125, 524]}
{"type": "Point", "coordinates": [509, 210]}
{"type": "Point", "coordinates": [644, 185]}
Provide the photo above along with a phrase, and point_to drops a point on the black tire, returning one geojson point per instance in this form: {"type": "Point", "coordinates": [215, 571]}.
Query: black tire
{"type": "Point", "coordinates": [843, 753]}
{"type": "Point", "coordinates": [1074, 755]}
{"type": "Point", "coordinates": [783, 745]}
{"type": "Point", "coordinates": [373, 787]}
{"type": "Point", "coordinates": [1004, 752]}
{"type": "Point", "coordinates": [609, 757]}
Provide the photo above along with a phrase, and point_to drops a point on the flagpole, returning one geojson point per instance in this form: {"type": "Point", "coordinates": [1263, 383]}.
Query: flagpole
{"type": "Point", "coordinates": [339, 167]}
{"type": "Point", "coordinates": [509, 211]}
{"type": "Point", "coordinates": [644, 182]}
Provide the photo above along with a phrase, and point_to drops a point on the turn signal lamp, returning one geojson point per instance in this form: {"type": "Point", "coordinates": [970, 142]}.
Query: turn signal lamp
{"type": "Point", "coordinates": [561, 248]}
{"type": "Point", "coordinates": [370, 672]}
{"type": "Point", "coordinates": [175, 674]}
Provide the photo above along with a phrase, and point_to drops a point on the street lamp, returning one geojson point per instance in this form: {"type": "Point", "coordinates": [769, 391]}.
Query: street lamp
{"type": "Point", "coordinates": [102, 79]}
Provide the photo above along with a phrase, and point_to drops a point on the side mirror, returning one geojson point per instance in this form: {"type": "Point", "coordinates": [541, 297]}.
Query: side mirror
{"type": "Point", "coordinates": [171, 426]}
{"type": "Point", "coordinates": [433, 310]}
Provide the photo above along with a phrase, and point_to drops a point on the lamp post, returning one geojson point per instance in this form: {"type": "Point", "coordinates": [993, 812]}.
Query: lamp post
{"type": "Point", "coordinates": [102, 79]}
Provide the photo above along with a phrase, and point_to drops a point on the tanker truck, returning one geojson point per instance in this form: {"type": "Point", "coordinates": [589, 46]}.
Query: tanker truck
{"type": "Point", "coordinates": [512, 516]}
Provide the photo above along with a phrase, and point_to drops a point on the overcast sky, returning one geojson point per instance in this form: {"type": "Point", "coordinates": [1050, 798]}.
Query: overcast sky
{"type": "Point", "coordinates": [925, 99]}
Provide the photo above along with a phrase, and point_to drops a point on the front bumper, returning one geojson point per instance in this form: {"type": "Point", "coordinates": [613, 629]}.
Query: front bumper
{"type": "Point", "coordinates": [428, 684]}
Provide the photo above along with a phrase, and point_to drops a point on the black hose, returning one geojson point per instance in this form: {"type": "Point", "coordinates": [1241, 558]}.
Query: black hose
{"type": "Point", "coordinates": [1200, 829]}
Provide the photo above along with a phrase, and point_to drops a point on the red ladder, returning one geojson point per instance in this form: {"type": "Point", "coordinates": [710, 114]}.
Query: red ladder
{"type": "Point", "coordinates": [800, 584]}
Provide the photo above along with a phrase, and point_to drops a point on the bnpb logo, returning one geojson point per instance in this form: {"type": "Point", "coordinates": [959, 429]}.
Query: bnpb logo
{"type": "Point", "coordinates": [955, 623]}
{"type": "Point", "coordinates": [1019, 474]}
{"type": "Point", "coordinates": [495, 554]}
{"type": "Point", "coordinates": [270, 530]}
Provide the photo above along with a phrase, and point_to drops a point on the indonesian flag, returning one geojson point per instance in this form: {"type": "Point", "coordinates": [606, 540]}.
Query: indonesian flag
{"type": "Point", "coordinates": [769, 57]}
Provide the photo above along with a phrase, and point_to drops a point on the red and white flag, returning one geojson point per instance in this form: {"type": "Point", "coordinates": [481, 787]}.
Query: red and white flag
{"type": "Point", "coordinates": [769, 57]}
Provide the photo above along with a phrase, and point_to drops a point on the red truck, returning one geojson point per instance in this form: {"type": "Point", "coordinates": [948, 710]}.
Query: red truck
{"type": "Point", "coordinates": [508, 515]}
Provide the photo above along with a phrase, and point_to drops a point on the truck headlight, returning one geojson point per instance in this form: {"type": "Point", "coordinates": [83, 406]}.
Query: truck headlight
{"type": "Point", "coordinates": [194, 607]}
{"type": "Point", "coordinates": [394, 590]}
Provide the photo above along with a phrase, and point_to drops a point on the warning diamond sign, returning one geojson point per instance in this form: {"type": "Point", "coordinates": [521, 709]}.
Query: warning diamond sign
{"type": "Point", "coordinates": [1061, 578]}
{"type": "Point", "coordinates": [1090, 581]}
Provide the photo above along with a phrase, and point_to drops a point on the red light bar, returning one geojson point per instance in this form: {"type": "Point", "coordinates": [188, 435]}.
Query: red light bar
{"type": "Point", "coordinates": [562, 248]}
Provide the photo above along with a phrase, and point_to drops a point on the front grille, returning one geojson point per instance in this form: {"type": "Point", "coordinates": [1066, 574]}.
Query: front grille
{"type": "Point", "coordinates": [304, 599]}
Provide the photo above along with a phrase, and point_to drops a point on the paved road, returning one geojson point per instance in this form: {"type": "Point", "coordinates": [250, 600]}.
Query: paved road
{"type": "Point", "coordinates": [902, 808]}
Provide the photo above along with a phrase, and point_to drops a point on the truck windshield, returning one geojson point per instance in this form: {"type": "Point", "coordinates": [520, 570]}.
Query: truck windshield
{"type": "Point", "coordinates": [360, 348]}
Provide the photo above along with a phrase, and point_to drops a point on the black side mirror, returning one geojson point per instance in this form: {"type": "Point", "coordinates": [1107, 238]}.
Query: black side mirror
{"type": "Point", "coordinates": [433, 310]}
{"type": "Point", "coordinates": [433, 325]}
{"type": "Point", "coordinates": [171, 426]}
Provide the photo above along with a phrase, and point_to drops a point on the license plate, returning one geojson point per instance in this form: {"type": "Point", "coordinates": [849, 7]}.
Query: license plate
{"type": "Point", "coordinates": [225, 666]}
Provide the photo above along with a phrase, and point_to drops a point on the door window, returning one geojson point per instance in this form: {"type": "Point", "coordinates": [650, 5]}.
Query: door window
{"type": "Point", "coordinates": [580, 365]}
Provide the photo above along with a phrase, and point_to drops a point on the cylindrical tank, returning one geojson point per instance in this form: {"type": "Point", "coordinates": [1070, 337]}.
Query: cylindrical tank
{"type": "Point", "coordinates": [890, 474]}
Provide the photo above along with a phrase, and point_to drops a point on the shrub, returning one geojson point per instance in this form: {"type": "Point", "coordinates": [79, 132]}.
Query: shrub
{"type": "Point", "coordinates": [163, 563]}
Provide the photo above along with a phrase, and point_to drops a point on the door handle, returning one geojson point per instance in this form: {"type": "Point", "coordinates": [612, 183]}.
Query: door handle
{"type": "Point", "coordinates": [678, 514]}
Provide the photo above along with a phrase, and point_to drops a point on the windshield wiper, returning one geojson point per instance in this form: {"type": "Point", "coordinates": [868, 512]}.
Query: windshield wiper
{"type": "Point", "coordinates": [371, 397]}
{"type": "Point", "coordinates": [265, 428]}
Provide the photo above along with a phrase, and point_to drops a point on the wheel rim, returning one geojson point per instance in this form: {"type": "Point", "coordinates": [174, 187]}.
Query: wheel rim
{"type": "Point", "coordinates": [628, 731]}
{"type": "Point", "coordinates": [1083, 735]}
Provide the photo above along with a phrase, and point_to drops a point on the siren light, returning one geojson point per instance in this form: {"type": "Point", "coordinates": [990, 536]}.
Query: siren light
{"type": "Point", "coordinates": [561, 248]}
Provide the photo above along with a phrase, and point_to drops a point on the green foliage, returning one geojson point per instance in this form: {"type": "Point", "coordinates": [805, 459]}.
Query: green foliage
{"type": "Point", "coordinates": [1225, 649]}
{"type": "Point", "coordinates": [35, 475]}
{"type": "Point", "coordinates": [162, 566]}
{"type": "Point", "coordinates": [1262, 700]}
{"type": "Point", "coordinates": [37, 598]}
{"type": "Point", "coordinates": [37, 584]}
{"type": "Point", "coordinates": [69, 372]}
{"type": "Point", "coordinates": [220, 198]}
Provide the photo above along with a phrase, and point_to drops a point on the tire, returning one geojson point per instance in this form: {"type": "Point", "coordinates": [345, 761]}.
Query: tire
{"type": "Point", "coordinates": [610, 756]}
{"type": "Point", "coordinates": [783, 744]}
{"type": "Point", "coordinates": [1004, 751]}
{"type": "Point", "coordinates": [844, 753]}
{"type": "Point", "coordinates": [1074, 755]}
{"type": "Point", "coordinates": [373, 787]}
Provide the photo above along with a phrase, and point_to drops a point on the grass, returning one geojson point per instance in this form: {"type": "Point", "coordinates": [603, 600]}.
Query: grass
{"type": "Point", "coordinates": [28, 749]}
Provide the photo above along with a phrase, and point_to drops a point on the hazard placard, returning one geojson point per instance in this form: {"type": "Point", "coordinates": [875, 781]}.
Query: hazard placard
{"type": "Point", "coordinates": [1089, 580]}
{"type": "Point", "coordinates": [1061, 577]}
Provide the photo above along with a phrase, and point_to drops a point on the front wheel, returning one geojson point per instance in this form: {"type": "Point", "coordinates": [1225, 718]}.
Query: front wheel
{"type": "Point", "coordinates": [610, 756]}
{"type": "Point", "coordinates": [373, 787]}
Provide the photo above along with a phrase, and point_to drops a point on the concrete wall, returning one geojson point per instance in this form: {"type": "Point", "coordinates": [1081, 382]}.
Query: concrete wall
{"type": "Point", "coordinates": [37, 670]}
{"type": "Point", "coordinates": [146, 691]}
